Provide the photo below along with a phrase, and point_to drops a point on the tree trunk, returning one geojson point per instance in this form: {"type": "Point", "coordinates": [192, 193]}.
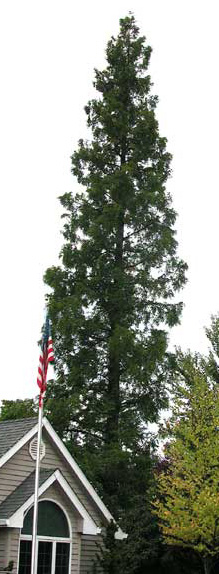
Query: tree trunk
{"type": "Point", "coordinates": [113, 393]}
{"type": "Point", "coordinates": [113, 399]}
{"type": "Point", "coordinates": [207, 563]}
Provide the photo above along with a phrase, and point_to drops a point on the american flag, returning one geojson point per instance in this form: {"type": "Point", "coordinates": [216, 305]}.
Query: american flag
{"type": "Point", "coordinates": [46, 357]}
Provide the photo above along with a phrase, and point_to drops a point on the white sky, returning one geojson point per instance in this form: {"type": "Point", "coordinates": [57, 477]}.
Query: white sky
{"type": "Point", "coordinates": [48, 51]}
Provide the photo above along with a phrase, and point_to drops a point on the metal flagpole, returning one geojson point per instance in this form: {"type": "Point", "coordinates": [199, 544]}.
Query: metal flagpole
{"type": "Point", "coordinates": [35, 512]}
{"type": "Point", "coordinates": [46, 357]}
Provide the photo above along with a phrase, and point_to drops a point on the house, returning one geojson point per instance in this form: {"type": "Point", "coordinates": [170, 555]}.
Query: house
{"type": "Point", "coordinates": [71, 515]}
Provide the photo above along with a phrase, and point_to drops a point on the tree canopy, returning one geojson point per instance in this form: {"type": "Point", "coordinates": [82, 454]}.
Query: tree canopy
{"type": "Point", "coordinates": [18, 409]}
{"type": "Point", "coordinates": [113, 296]}
{"type": "Point", "coordinates": [188, 502]}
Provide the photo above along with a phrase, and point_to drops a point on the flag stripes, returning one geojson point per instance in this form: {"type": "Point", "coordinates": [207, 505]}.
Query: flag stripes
{"type": "Point", "coordinates": [46, 357]}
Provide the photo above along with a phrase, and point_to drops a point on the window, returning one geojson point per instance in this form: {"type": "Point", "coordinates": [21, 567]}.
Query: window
{"type": "Point", "coordinates": [51, 521]}
{"type": "Point", "coordinates": [44, 557]}
{"type": "Point", "coordinates": [62, 558]}
{"type": "Point", "coordinates": [53, 540]}
{"type": "Point", "coordinates": [25, 556]}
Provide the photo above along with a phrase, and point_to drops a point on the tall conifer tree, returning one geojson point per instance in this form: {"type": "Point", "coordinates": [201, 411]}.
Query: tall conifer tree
{"type": "Point", "coordinates": [114, 294]}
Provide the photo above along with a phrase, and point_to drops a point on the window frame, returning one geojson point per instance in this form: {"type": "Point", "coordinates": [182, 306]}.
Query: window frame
{"type": "Point", "coordinates": [53, 539]}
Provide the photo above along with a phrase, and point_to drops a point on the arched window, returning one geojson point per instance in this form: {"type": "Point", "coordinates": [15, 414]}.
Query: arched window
{"type": "Point", "coordinates": [53, 540]}
{"type": "Point", "coordinates": [51, 521]}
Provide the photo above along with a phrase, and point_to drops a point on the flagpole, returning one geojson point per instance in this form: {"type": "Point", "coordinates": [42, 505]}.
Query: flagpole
{"type": "Point", "coordinates": [46, 357]}
{"type": "Point", "coordinates": [37, 473]}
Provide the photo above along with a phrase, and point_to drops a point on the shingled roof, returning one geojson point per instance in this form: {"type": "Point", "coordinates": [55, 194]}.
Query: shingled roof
{"type": "Point", "coordinates": [13, 435]}
{"type": "Point", "coordinates": [12, 431]}
{"type": "Point", "coordinates": [19, 496]}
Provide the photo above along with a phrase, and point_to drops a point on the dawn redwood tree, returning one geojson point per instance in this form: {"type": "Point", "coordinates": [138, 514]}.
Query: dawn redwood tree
{"type": "Point", "coordinates": [113, 296]}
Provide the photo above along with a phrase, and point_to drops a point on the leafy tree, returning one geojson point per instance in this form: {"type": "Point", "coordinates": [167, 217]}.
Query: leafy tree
{"type": "Point", "coordinates": [113, 296]}
{"type": "Point", "coordinates": [188, 503]}
{"type": "Point", "coordinates": [179, 560]}
{"type": "Point", "coordinates": [18, 409]}
{"type": "Point", "coordinates": [143, 549]}
{"type": "Point", "coordinates": [109, 558]}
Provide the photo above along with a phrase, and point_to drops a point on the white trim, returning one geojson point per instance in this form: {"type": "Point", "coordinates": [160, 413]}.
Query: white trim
{"type": "Point", "coordinates": [70, 555]}
{"type": "Point", "coordinates": [18, 445]}
{"type": "Point", "coordinates": [88, 524]}
{"type": "Point", "coordinates": [54, 543]}
{"type": "Point", "coordinates": [72, 463]}
{"type": "Point", "coordinates": [66, 516]}
{"type": "Point", "coordinates": [42, 449]}
{"type": "Point", "coordinates": [45, 538]}
{"type": "Point", "coordinates": [42, 538]}
{"type": "Point", "coordinates": [90, 527]}
{"type": "Point", "coordinates": [120, 535]}
{"type": "Point", "coordinates": [53, 564]}
{"type": "Point", "coordinates": [79, 473]}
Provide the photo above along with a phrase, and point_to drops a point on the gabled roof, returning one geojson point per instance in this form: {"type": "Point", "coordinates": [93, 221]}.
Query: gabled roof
{"type": "Point", "coordinates": [22, 430]}
{"type": "Point", "coordinates": [12, 431]}
{"type": "Point", "coordinates": [16, 504]}
{"type": "Point", "coordinates": [21, 494]}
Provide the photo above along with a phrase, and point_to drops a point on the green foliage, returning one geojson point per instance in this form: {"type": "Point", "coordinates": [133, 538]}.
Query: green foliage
{"type": "Point", "coordinates": [18, 409]}
{"type": "Point", "coordinates": [109, 558]}
{"type": "Point", "coordinates": [179, 560]}
{"type": "Point", "coordinates": [117, 474]}
{"type": "Point", "coordinates": [113, 295]}
{"type": "Point", "coordinates": [143, 551]}
{"type": "Point", "coordinates": [9, 567]}
{"type": "Point", "coordinates": [112, 299]}
{"type": "Point", "coordinates": [143, 548]}
{"type": "Point", "coordinates": [188, 502]}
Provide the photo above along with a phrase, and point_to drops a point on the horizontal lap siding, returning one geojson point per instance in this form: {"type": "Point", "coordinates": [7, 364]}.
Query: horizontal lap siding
{"type": "Point", "coordinates": [89, 551]}
{"type": "Point", "coordinates": [3, 548]}
{"type": "Point", "coordinates": [21, 465]}
{"type": "Point", "coordinates": [9, 546]}
{"type": "Point", "coordinates": [14, 537]}
{"type": "Point", "coordinates": [15, 471]}
{"type": "Point", "coordinates": [54, 460]}
{"type": "Point", "coordinates": [18, 468]}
